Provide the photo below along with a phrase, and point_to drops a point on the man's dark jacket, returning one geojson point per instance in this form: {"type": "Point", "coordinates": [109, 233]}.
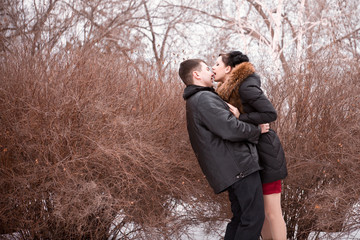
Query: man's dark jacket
{"type": "Point", "coordinates": [223, 145]}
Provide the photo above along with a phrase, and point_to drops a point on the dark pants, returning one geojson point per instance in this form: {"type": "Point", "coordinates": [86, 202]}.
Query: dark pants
{"type": "Point", "coordinates": [247, 206]}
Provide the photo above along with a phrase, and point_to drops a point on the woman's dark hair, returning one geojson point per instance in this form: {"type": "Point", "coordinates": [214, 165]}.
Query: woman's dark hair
{"type": "Point", "coordinates": [234, 58]}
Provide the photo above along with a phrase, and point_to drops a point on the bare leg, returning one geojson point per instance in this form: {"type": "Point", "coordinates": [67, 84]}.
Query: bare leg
{"type": "Point", "coordinates": [274, 225]}
{"type": "Point", "coordinates": [266, 231]}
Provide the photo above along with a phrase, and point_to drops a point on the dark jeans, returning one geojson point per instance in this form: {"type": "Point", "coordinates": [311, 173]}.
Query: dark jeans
{"type": "Point", "coordinates": [247, 206]}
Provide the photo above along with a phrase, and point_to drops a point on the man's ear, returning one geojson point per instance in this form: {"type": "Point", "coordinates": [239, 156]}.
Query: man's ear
{"type": "Point", "coordinates": [228, 69]}
{"type": "Point", "coordinates": [196, 75]}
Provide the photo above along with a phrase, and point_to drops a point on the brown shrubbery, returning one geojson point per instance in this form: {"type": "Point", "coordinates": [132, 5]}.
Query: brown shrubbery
{"type": "Point", "coordinates": [93, 140]}
{"type": "Point", "coordinates": [85, 141]}
{"type": "Point", "coordinates": [93, 149]}
{"type": "Point", "coordinates": [90, 150]}
{"type": "Point", "coordinates": [320, 130]}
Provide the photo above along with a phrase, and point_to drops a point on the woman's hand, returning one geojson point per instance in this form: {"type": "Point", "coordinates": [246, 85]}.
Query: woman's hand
{"type": "Point", "coordinates": [264, 127]}
{"type": "Point", "coordinates": [234, 110]}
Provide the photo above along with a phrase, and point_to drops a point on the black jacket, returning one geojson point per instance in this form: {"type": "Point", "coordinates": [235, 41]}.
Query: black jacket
{"type": "Point", "coordinates": [257, 108]}
{"type": "Point", "coordinates": [223, 145]}
{"type": "Point", "coordinates": [243, 90]}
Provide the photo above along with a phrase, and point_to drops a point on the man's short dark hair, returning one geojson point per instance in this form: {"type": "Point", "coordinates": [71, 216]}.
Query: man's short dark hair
{"type": "Point", "coordinates": [186, 69]}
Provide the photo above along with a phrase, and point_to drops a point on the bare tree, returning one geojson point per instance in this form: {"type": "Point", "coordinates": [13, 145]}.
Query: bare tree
{"type": "Point", "coordinates": [162, 30]}
{"type": "Point", "coordinates": [37, 25]}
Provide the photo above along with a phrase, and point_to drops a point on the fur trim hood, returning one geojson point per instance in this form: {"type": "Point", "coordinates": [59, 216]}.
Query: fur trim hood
{"type": "Point", "coordinates": [228, 90]}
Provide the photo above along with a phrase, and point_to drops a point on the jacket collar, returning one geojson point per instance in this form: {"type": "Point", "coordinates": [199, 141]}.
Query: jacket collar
{"type": "Point", "coordinates": [192, 89]}
{"type": "Point", "coordinates": [238, 75]}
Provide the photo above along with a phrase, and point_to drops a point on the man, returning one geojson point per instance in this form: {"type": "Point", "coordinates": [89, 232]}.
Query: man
{"type": "Point", "coordinates": [225, 149]}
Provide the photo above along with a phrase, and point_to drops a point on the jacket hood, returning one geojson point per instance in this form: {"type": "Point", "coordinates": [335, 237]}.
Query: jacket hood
{"type": "Point", "coordinates": [239, 74]}
{"type": "Point", "coordinates": [192, 89]}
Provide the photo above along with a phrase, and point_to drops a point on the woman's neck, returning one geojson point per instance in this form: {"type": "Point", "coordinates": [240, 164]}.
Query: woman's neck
{"type": "Point", "coordinates": [226, 77]}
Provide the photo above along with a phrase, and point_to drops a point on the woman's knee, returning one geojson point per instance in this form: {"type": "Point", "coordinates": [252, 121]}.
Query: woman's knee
{"type": "Point", "coordinates": [272, 214]}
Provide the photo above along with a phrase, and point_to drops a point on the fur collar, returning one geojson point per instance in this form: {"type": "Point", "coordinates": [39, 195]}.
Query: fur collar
{"type": "Point", "coordinates": [239, 74]}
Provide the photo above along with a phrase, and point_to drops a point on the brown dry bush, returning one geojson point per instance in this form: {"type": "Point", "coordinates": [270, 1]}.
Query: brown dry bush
{"type": "Point", "coordinates": [318, 123]}
{"type": "Point", "coordinates": [91, 150]}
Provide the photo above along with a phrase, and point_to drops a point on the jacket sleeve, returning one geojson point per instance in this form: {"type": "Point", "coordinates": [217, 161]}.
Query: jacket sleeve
{"type": "Point", "coordinates": [252, 94]}
{"type": "Point", "coordinates": [216, 116]}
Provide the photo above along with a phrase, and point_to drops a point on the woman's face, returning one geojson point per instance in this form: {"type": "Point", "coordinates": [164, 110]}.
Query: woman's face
{"type": "Point", "coordinates": [220, 70]}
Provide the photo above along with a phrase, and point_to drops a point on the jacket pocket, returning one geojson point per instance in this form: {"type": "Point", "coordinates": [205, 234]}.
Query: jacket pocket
{"type": "Point", "coordinates": [242, 154]}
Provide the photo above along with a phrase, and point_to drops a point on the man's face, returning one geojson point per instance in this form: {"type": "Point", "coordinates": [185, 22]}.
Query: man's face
{"type": "Point", "coordinates": [206, 75]}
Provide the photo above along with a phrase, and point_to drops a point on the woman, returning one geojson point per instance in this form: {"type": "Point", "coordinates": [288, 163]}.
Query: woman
{"type": "Point", "coordinates": [240, 86]}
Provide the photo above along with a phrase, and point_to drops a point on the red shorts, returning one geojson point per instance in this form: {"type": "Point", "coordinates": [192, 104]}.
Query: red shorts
{"type": "Point", "coordinates": [270, 188]}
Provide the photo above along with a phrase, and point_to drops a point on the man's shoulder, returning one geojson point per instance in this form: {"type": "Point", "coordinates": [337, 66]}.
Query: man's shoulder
{"type": "Point", "coordinates": [209, 97]}
{"type": "Point", "coordinates": [205, 95]}
{"type": "Point", "coordinates": [205, 100]}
